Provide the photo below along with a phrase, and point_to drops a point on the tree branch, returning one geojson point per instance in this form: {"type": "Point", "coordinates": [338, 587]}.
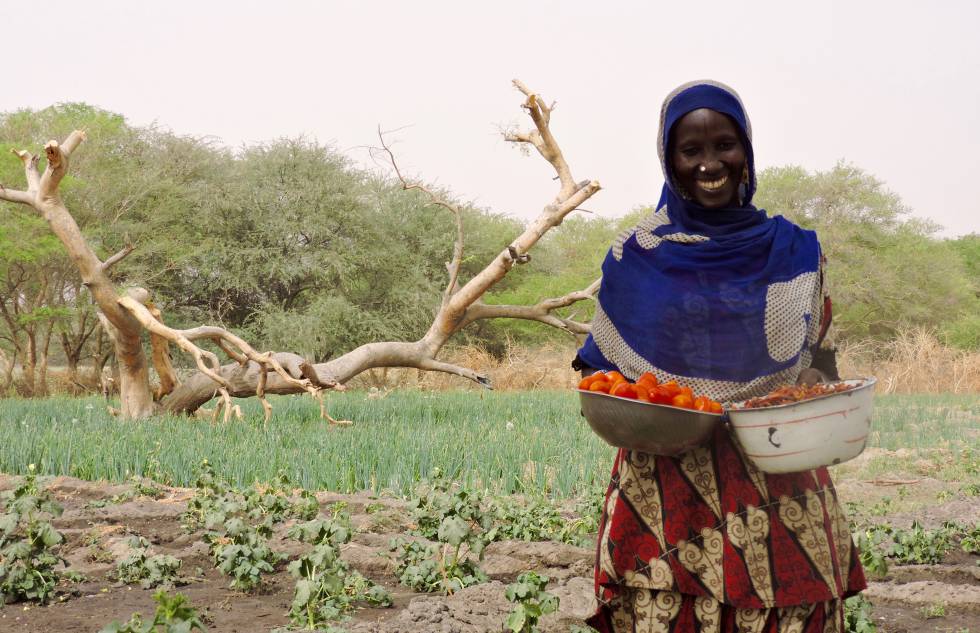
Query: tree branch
{"type": "Point", "coordinates": [541, 311]}
{"type": "Point", "coordinates": [58, 155]}
{"type": "Point", "coordinates": [453, 265]}
{"type": "Point", "coordinates": [31, 172]}
{"type": "Point", "coordinates": [15, 195]}
{"type": "Point", "coordinates": [118, 257]}
{"type": "Point", "coordinates": [542, 139]}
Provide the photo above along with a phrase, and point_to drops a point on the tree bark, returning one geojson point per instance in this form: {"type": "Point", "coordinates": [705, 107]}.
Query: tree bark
{"type": "Point", "coordinates": [41, 385]}
{"type": "Point", "coordinates": [43, 196]}
{"type": "Point", "coordinates": [29, 371]}
{"type": "Point", "coordinates": [8, 371]}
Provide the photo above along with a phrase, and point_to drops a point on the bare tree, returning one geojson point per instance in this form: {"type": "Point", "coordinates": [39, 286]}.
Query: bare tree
{"type": "Point", "coordinates": [127, 314]}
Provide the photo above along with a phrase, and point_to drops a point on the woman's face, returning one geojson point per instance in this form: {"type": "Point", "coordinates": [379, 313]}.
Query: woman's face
{"type": "Point", "coordinates": [708, 157]}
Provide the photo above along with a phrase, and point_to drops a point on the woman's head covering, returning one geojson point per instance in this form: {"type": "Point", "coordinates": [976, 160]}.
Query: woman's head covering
{"type": "Point", "coordinates": [725, 300]}
{"type": "Point", "coordinates": [720, 98]}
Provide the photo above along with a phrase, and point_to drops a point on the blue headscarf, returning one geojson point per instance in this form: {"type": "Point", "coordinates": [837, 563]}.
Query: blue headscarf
{"type": "Point", "coordinates": [726, 300]}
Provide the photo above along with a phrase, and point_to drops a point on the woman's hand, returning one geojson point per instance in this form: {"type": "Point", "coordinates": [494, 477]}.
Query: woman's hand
{"type": "Point", "coordinates": [811, 376]}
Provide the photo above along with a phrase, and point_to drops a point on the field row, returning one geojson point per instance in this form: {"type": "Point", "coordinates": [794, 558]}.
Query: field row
{"type": "Point", "coordinates": [505, 442]}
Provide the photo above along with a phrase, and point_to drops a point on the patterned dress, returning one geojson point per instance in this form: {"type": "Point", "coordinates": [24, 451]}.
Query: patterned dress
{"type": "Point", "coordinates": [706, 543]}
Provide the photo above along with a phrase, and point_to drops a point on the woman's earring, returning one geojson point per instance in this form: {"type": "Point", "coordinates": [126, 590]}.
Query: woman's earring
{"type": "Point", "coordinates": [743, 187]}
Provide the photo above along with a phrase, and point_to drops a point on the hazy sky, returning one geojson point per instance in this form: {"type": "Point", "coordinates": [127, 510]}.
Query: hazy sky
{"type": "Point", "coordinates": [893, 87]}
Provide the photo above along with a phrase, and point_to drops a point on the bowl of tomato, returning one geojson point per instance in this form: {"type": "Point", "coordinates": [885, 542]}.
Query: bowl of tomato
{"type": "Point", "coordinates": [662, 419]}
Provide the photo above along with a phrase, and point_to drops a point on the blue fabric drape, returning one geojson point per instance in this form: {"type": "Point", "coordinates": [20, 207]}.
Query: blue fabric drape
{"type": "Point", "coordinates": [688, 291]}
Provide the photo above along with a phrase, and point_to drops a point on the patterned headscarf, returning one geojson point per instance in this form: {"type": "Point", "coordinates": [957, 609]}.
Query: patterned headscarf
{"type": "Point", "coordinates": [727, 301]}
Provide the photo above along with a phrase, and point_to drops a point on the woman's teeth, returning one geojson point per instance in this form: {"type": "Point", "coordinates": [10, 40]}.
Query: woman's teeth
{"type": "Point", "coordinates": [713, 185]}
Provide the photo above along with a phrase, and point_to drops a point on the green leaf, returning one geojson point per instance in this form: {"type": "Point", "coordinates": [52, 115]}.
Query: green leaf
{"type": "Point", "coordinates": [453, 530]}
{"type": "Point", "coordinates": [516, 620]}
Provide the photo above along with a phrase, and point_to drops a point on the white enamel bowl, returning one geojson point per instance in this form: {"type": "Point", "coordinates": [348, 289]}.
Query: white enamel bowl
{"type": "Point", "coordinates": [643, 426]}
{"type": "Point", "coordinates": [822, 431]}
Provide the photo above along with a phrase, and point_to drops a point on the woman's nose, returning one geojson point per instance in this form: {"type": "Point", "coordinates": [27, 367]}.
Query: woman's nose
{"type": "Point", "coordinates": [711, 165]}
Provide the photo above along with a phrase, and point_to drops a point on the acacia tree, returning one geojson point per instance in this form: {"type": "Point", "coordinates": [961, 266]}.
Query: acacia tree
{"type": "Point", "coordinates": [125, 315]}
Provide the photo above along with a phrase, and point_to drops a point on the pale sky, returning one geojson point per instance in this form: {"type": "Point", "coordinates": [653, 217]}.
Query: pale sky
{"type": "Point", "coordinates": [893, 87]}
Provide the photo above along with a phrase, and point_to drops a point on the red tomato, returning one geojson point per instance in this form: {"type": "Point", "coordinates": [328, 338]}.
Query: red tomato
{"type": "Point", "coordinates": [683, 401]}
{"type": "Point", "coordinates": [661, 395]}
{"type": "Point", "coordinates": [716, 407]}
{"type": "Point", "coordinates": [623, 389]}
{"type": "Point", "coordinates": [599, 385]}
{"type": "Point", "coordinates": [642, 393]}
{"type": "Point", "coordinates": [672, 388]}
{"type": "Point", "coordinates": [688, 392]}
{"type": "Point", "coordinates": [647, 379]}
{"type": "Point", "coordinates": [585, 382]}
{"type": "Point", "coordinates": [702, 403]}
{"type": "Point", "coordinates": [614, 377]}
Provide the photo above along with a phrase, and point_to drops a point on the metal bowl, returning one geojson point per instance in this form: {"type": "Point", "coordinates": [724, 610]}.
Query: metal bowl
{"type": "Point", "coordinates": [659, 429]}
{"type": "Point", "coordinates": [821, 431]}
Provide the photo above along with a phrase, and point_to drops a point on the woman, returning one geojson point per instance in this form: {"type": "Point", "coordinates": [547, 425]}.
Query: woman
{"type": "Point", "coordinates": [710, 292]}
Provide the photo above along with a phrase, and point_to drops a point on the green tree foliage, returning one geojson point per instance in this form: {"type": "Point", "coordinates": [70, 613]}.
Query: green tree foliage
{"type": "Point", "coordinates": [290, 244]}
{"type": "Point", "coordinates": [886, 270]}
{"type": "Point", "coordinates": [964, 331]}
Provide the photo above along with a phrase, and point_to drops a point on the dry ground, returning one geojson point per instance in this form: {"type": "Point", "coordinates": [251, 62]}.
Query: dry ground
{"type": "Point", "coordinates": [97, 539]}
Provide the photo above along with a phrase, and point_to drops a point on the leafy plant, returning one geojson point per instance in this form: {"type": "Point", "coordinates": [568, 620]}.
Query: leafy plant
{"type": "Point", "coordinates": [242, 552]}
{"type": "Point", "coordinates": [28, 543]}
{"type": "Point", "coordinates": [326, 588]}
{"type": "Point", "coordinates": [440, 506]}
{"type": "Point", "coordinates": [532, 602]}
{"type": "Point", "coordinates": [872, 556]}
{"type": "Point", "coordinates": [913, 546]}
{"type": "Point", "coordinates": [172, 616]}
{"type": "Point", "coordinates": [858, 615]}
{"type": "Point", "coordinates": [150, 571]}
{"type": "Point", "coordinates": [537, 518]}
{"type": "Point", "coordinates": [530, 519]}
{"type": "Point", "coordinates": [334, 531]}
{"type": "Point", "coordinates": [970, 539]}
{"type": "Point", "coordinates": [920, 546]}
{"type": "Point", "coordinates": [429, 568]}
{"type": "Point", "coordinates": [209, 490]}
{"type": "Point", "coordinates": [453, 516]}
{"type": "Point", "coordinates": [882, 507]}
{"type": "Point", "coordinates": [215, 501]}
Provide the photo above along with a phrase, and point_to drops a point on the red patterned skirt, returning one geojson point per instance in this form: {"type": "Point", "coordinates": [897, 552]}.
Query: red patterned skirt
{"type": "Point", "coordinates": [648, 611]}
{"type": "Point", "coordinates": [707, 528]}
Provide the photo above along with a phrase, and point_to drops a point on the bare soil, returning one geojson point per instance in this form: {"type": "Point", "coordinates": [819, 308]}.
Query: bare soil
{"type": "Point", "coordinates": [96, 538]}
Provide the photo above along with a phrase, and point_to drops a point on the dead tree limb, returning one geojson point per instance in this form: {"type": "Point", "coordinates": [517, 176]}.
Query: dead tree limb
{"type": "Point", "coordinates": [461, 304]}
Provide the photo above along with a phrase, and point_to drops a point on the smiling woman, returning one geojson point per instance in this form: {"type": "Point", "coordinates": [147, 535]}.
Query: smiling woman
{"type": "Point", "coordinates": [711, 292]}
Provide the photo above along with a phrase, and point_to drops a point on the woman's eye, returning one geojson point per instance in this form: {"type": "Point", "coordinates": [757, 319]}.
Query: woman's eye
{"type": "Point", "coordinates": [726, 146]}
{"type": "Point", "coordinates": [690, 151]}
